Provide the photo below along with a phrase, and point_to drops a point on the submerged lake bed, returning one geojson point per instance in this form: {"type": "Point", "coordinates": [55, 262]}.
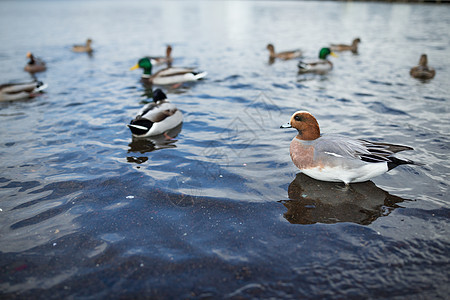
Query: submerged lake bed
{"type": "Point", "coordinates": [220, 211]}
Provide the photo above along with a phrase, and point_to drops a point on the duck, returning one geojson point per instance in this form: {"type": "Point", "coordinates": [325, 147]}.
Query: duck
{"type": "Point", "coordinates": [321, 66]}
{"type": "Point", "coordinates": [34, 64]}
{"type": "Point", "coordinates": [83, 48]}
{"type": "Point", "coordinates": [167, 76]}
{"type": "Point", "coordinates": [422, 71]}
{"type": "Point", "coordinates": [159, 60]}
{"type": "Point", "coordinates": [20, 91]}
{"type": "Point", "coordinates": [342, 47]}
{"type": "Point", "coordinates": [337, 158]}
{"type": "Point", "coordinates": [285, 55]}
{"type": "Point", "coordinates": [156, 117]}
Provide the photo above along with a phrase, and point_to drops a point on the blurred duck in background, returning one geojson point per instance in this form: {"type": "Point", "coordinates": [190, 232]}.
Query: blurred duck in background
{"type": "Point", "coordinates": [166, 76]}
{"type": "Point", "coordinates": [285, 55]}
{"type": "Point", "coordinates": [159, 60]}
{"type": "Point", "coordinates": [34, 64]}
{"type": "Point", "coordinates": [322, 66]}
{"type": "Point", "coordinates": [83, 48]}
{"type": "Point", "coordinates": [20, 91]}
{"type": "Point", "coordinates": [422, 71]}
{"type": "Point", "coordinates": [342, 47]}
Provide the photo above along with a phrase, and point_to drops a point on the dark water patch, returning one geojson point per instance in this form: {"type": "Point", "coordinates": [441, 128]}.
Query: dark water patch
{"type": "Point", "coordinates": [241, 86]}
{"type": "Point", "coordinates": [363, 95]}
{"type": "Point", "coordinates": [24, 185]}
{"type": "Point", "coordinates": [384, 109]}
{"type": "Point", "coordinates": [344, 100]}
{"type": "Point", "coordinates": [282, 86]}
{"type": "Point", "coordinates": [74, 104]}
{"type": "Point", "coordinates": [377, 82]}
{"type": "Point", "coordinates": [232, 77]}
{"type": "Point", "coordinates": [435, 98]}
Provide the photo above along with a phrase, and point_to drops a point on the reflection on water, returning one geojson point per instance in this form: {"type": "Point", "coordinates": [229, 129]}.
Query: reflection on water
{"type": "Point", "coordinates": [149, 144]}
{"type": "Point", "coordinates": [312, 201]}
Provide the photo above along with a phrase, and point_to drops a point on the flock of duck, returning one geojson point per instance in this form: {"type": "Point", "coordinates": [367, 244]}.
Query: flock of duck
{"type": "Point", "coordinates": [333, 158]}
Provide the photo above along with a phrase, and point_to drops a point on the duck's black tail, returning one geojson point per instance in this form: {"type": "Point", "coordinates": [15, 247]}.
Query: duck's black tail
{"type": "Point", "coordinates": [394, 162]}
{"type": "Point", "coordinates": [140, 127]}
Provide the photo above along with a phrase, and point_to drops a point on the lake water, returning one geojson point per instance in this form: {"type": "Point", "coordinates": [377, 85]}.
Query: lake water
{"type": "Point", "coordinates": [220, 212]}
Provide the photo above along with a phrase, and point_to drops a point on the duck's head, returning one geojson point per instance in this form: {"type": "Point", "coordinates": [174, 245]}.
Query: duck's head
{"type": "Point", "coordinates": [356, 41]}
{"type": "Point", "coordinates": [306, 125]}
{"type": "Point", "coordinates": [144, 63]}
{"type": "Point", "coordinates": [168, 50]}
{"type": "Point", "coordinates": [88, 42]}
{"type": "Point", "coordinates": [158, 95]}
{"type": "Point", "coordinates": [29, 55]}
{"type": "Point", "coordinates": [324, 52]}
{"type": "Point", "coordinates": [423, 60]}
{"type": "Point", "coordinates": [270, 47]}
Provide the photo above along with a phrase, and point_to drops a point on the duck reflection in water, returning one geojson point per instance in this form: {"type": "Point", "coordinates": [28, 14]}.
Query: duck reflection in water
{"type": "Point", "coordinates": [149, 144]}
{"type": "Point", "coordinates": [312, 201]}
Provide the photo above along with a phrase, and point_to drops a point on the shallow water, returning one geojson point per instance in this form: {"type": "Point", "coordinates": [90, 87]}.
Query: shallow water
{"type": "Point", "coordinates": [220, 212]}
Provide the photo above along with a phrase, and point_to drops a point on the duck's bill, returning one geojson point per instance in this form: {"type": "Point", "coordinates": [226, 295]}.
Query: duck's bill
{"type": "Point", "coordinates": [287, 125]}
{"type": "Point", "coordinates": [333, 54]}
{"type": "Point", "coordinates": [136, 66]}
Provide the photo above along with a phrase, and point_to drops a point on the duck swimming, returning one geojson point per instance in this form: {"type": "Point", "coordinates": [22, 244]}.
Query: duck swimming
{"type": "Point", "coordinates": [339, 158]}
{"type": "Point", "coordinates": [422, 71]}
{"type": "Point", "coordinates": [83, 48]}
{"type": "Point", "coordinates": [20, 91]}
{"type": "Point", "coordinates": [342, 47]}
{"type": "Point", "coordinates": [156, 118]}
{"type": "Point", "coordinates": [168, 75]}
{"type": "Point", "coordinates": [321, 66]}
{"type": "Point", "coordinates": [34, 64]}
{"type": "Point", "coordinates": [159, 60]}
{"type": "Point", "coordinates": [285, 55]}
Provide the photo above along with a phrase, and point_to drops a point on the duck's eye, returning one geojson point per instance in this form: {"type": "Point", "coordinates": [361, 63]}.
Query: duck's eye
{"type": "Point", "coordinates": [298, 118]}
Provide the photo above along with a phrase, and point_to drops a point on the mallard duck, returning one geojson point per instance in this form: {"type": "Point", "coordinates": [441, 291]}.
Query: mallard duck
{"type": "Point", "coordinates": [285, 55]}
{"type": "Point", "coordinates": [35, 64]}
{"type": "Point", "coordinates": [422, 71]}
{"type": "Point", "coordinates": [168, 75]}
{"type": "Point", "coordinates": [342, 47]}
{"type": "Point", "coordinates": [156, 118]}
{"type": "Point", "coordinates": [162, 59]}
{"type": "Point", "coordinates": [321, 66]}
{"type": "Point", "coordinates": [83, 48]}
{"type": "Point", "coordinates": [19, 91]}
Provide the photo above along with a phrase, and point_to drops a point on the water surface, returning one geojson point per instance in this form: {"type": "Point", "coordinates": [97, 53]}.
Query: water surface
{"type": "Point", "coordinates": [221, 212]}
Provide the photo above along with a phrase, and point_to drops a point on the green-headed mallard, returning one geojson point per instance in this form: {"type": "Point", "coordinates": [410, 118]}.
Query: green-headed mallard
{"type": "Point", "coordinates": [20, 91]}
{"type": "Point", "coordinates": [285, 55]}
{"type": "Point", "coordinates": [159, 60]}
{"type": "Point", "coordinates": [422, 71]}
{"type": "Point", "coordinates": [34, 64]}
{"type": "Point", "coordinates": [342, 47]}
{"type": "Point", "coordinates": [321, 66]}
{"type": "Point", "coordinates": [156, 118]}
{"type": "Point", "coordinates": [168, 75]}
{"type": "Point", "coordinates": [83, 48]}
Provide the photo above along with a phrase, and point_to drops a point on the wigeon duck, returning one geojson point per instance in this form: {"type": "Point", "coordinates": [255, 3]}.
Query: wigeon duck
{"type": "Point", "coordinates": [34, 64]}
{"type": "Point", "coordinates": [20, 91]}
{"type": "Point", "coordinates": [168, 75]}
{"type": "Point", "coordinates": [83, 48]}
{"type": "Point", "coordinates": [285, 55]}
{"type": "Point", "coordinates": [321, 66]}
{"type": "Point", "coordinates": [422, 71]}
{"type": "Point", "coordinates": [158, 60]}
{"type": "Point", "coordinates": [342, 47]}
{"type": "Point", "coordinates": [156, 118]}
{"type": "Point", "coordinates": [338, 158]}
